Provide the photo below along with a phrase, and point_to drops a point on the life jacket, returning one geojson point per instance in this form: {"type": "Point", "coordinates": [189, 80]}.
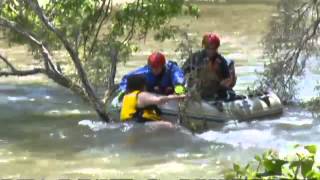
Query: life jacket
{"type": "Point", "coordinates": [130, 109]}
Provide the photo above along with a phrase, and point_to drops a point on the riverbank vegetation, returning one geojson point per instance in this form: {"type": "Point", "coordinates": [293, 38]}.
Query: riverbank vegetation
{"type": "Point", "coordinates": [299, 164]}
{"type": "Point", "coordinates": [291, 44]}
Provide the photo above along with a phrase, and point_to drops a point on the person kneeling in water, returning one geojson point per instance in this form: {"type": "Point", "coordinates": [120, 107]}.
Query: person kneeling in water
{"type": "Point", "coordinates": [139, 105]}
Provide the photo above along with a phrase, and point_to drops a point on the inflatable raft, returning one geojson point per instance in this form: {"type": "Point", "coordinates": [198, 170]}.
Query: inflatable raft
{"type": "Point", "coordinates": [213, 112]}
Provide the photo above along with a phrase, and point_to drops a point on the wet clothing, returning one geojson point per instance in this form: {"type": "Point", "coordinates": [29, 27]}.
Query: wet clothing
{"type": "Point", "coordinates": [169, 78]}
{"type": "Point", "coordinates": [209, 85]}
{"type": "Point", "coordinates": [207, 75]}
{"type": "Point", "coordinates": [130, 110]}
{"type": "Point", "coordinates": [200, 58]}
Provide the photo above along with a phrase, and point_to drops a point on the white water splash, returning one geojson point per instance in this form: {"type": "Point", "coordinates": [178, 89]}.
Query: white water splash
{"type": "Point", "coordinates": [17, 98]}
{"type": "Point", "coordinates": [66, 112]}
{"type": "Point", "coordinates": [244, 138]}
{"type": "Point", "coordinates": [99, 125]}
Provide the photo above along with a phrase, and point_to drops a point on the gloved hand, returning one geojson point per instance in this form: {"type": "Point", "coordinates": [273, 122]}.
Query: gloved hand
{"type": "Point", "coordinates": [179, 89]}
{"type": "Point", "coordinates": [117, 101]}
{"type": "Point", "coordinates": [120, 95]}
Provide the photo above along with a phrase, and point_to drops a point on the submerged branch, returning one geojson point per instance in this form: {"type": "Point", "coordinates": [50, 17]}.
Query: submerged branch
{"type": "Point", "coordinates": [23, 72]}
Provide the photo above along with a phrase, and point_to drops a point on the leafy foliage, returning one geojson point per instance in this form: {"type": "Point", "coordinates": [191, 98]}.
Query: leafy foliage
{"type": "Point", "coordinates": [94, 35]}
{"type": "Point", "coordinates": [270, 166]}
{"type": "Point", "coordinates": [313, 104]}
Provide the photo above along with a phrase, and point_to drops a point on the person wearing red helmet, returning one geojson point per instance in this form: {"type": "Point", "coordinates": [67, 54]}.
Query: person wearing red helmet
{"type": "Point", "coordinates": [156, 61]}
{"type": "Point", "coordinates": [162, 76]}
{"type": "Point", "coordinates": [215, 75]}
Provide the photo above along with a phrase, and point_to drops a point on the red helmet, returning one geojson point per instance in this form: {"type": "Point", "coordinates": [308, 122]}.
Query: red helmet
{"type": "Point", "coordinates": [156, 60]}
{"type": "Point", "coordinates": [210, 39]}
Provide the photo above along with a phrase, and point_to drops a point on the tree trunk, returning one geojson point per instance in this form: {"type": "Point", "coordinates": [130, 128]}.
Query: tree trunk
{"type": "Point", "coordinates": [113, 69]}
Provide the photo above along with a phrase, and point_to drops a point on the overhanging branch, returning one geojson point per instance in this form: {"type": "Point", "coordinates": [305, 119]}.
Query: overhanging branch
{"type": "Point", "coordinates": [13, 26]}
{"type": "Point", "coordinates": [98, 104]}
{"type": "Point", "coordinates": [72, 52]}
{"type": "Point", "coordinates": [45, 52]}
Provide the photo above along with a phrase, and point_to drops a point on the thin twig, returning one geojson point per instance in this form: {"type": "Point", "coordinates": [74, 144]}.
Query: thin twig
{"type": "Point", "coordinates": [5, 60]}
{"type": "Point", "coordinates": [131, 32]}
{"type": "Point", "coordinates": [106, 15]}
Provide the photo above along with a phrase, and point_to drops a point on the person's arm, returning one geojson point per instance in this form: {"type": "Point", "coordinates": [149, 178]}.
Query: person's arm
{"type": "Point", "coordinates": [229, 82]}
{"type": "Point", "coordinates": [186, 67]}
{"type": "Point", "coordinates": [231, 79]}
{"type": "Point", "coordinates": [123, 83]}
{"type": "Point", "coordinates": [178, 79]}
{"type": "Point", "coordinates": [146, 99]}
{"type": "Point", "coordinates": [233, 76]}
{"type": "Point", "coordinates": [177, 75]}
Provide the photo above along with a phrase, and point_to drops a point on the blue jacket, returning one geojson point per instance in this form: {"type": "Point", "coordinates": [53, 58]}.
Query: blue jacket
{"type": "Point", "coordinates": [172, 76]}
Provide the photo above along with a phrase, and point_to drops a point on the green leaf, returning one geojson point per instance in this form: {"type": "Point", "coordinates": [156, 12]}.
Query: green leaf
{"type": "Point", "coordinates": [306, 167]}
{"type": "Point", "coordinates": [247, 167]}
{"type": "Point", "coordinates": [236, 167]}
{"type": "Point", "coordinates": [296, 145]}
{"type": "Point", "coordinates": [311, 148]}
{"type": "Point", "coordinates": [274, 166]}
{"type": "Point", "coordinates": [230, 175]}
{"type": "Point", "coordinates": [258, 158]}
{"type": "Point", "coordinates": [294, 164]}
